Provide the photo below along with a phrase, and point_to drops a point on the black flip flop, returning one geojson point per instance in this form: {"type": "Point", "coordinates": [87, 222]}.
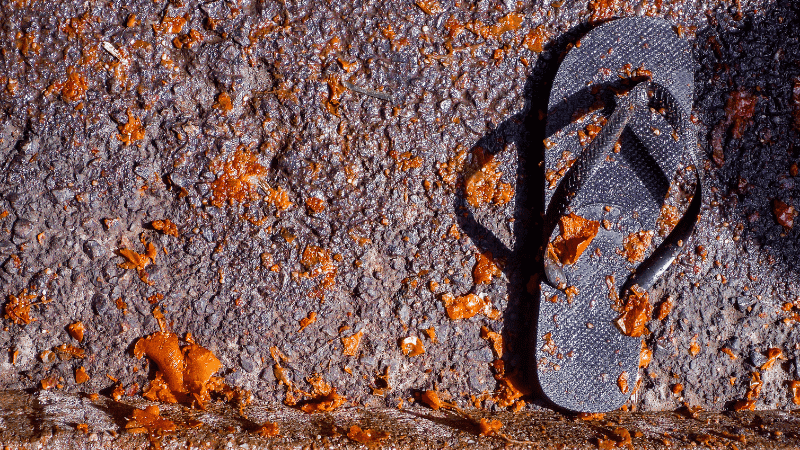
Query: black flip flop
{"type": "Point", "coordinates": [618, 130]}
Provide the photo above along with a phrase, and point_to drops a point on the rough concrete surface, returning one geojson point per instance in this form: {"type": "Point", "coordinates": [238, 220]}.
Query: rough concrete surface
{"type": "Point", "coordinates": [315, 157]}
{"type": "Point", "coordinates": [48, 420]}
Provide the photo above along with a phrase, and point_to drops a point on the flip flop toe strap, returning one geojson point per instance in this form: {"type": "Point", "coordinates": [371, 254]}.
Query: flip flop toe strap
{"type": "Point", "coordinates": [651, 269]}
{"type": "Point", "coordinates": [631, 111]}
{"type": "Point", "coordinates": [587, 164]}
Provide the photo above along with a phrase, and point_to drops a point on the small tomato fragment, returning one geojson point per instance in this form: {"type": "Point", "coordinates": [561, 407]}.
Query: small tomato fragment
{"type": "Point", "coordinates": [622, 382]}
{"type": "Point", "coordinates": [351, 343]}
{"type": "Point", "coordinates": [489, 427]}
{"type": "Point", "coordinates": [784, 214]}
{"type": "Point", "coordinates": [576, 235]}
{"type": "Point", "coordinates": [306, 321]}
{"type": "Point", "coordinates": [269, 429]}
{"type": "Point", "coordinates": [636, 312]}
{"type": "Point", "coordinates": [76, 330]}
{"type": "Point", "coordinates": [495, 339]}
{"type": "Point", "coordinates": [149, 420]}
{"type": "Point", "coordinates": [636, 244]}
{"type": "Point", "coordinates": [431, 399]}
{"type": "Point", "coordinates": [80, 375]}
{"type": "Point", "coordinates": [794, 387]}
{"type": "Point", "coordinates": [412, 346]}
{"type": "Point", "coordinates": [467, 306]}
{"type": "Point", "coordinates": [485, 268]}
{"type": "Point", "coordinates": [772, 355]}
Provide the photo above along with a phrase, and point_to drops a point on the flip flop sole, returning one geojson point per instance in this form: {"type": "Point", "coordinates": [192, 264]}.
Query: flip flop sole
{"type": "Point", "coordinates": [584, 363]}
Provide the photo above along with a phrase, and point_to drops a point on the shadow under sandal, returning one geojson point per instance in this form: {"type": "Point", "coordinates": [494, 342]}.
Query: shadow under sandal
{"type": "Point", "coordinates": [618, 131]}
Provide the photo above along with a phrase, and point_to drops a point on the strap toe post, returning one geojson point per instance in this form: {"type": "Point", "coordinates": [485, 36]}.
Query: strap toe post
{"type": "Point", "coordinates": [587, 164]}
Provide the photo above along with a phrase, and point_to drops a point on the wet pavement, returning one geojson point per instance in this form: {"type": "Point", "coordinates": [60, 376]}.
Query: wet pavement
{"type": "Point", "coordinates": [294, 184]}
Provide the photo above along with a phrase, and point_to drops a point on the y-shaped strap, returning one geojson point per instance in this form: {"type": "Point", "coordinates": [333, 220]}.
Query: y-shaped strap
{"type": "Point", "coordinates": [587, 164]}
